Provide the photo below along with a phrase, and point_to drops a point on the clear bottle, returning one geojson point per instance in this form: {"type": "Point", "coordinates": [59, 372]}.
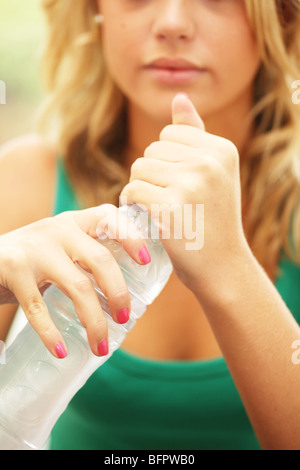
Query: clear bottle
{"type": "Point", "coordinates": [35, 387]}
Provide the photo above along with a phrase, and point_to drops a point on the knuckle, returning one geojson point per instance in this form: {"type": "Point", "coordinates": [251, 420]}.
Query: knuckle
{"type": "Point", "coordinates": [82, 284]}
{"type": "Point", "coordinates": [59, 217]}
{"type": "Point", "coordinates": [208, 169]}
{"type": "Point", "coordinates": [103, 256]}
{"type": "Point", "coordinates": [231, 147]}
{"type": "Point", "coordinates": [235, 158]}
{"type": "Point", "coordinates": [14, 258]}
{"type": "Point", "coordinates": [191, 177]}
{"type": "Point", "coordinates": [231, 154]}
{"type": "Point", "coordinates": [48, 332]}
{"type": "Point", "coordinates": [137, 166]}
{"type": "Point", "coordinates": [151, 150]}
{"type": "Point", "coordinates": [167, 132]}
{"type": "Point", "coordinates": [104, 210]}
{"type": "Point", "coordinates": [131, 191]}
{"type": "Point", "coordinates": [199, 166]}
{"type": "Point", "coordinates": [53, 225]}
{"type": "Point", "coordinates": [48, 223]}
{"type": "Point", "coordinates": [132, 187]}
{"type": "Point", "coordinates": [108, 218]}
{"type": "Point", "coordinates": [136, 185]}
{"type": "Point", "coordinates": [99, 324]}
{"type": "Point", "coordinates": [190, 188]}
{"type": "Point", "coordinates": [34, 308]}
{"type": "Point", "coordinates": [121, 295]}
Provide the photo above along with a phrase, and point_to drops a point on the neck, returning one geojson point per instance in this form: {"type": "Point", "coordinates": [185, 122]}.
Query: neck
{"type": "Point", "coordinates": [142, 131]}
{"type": "Point", "coordinates": [233, 123]}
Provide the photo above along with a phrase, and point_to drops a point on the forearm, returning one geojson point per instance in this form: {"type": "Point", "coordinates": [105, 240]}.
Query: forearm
{"type": "Point", "coordinates": [256, 331]}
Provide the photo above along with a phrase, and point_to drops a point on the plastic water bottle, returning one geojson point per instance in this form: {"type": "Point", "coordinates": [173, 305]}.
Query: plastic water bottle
{"type": "Point", "coordinates": [35, 387]}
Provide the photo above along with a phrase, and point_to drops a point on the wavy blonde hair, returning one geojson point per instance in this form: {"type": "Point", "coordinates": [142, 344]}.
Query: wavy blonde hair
{"type": "Point", "coordinates": [87, 113]}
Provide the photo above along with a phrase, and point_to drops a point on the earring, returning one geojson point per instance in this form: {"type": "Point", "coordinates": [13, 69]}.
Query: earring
{"type": "Point", "coordinates": [98, 19]}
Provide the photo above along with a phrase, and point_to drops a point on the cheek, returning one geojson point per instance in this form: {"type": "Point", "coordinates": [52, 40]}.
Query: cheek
{"type": "Point", "coordinates": [241, 57]}
{"type": "Point", "coordinates": [119, 45]}
{"type": "Point", "coordinates": [244, 45]}
{"type": "Point", "coordinates": [237, 54]}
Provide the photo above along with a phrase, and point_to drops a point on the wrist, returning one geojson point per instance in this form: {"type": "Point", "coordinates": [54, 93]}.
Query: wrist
{"type": "Point", "coordinates": [220, 285]}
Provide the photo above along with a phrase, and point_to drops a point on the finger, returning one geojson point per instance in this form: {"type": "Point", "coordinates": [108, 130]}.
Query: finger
{"type": "Point", "coordinates": [184, 112]}
{"type": "Point", "coordinates": [99, 261]}
{"type": "Point", "coordinates": [172, 152]}
{"type": "Point", "coordinates": [107, 219]}
{"type": "Point", "coordinates": [187, 135]}
{"type": "Point", "coordinates": [30, 299]}
{"type": "Point", "coordinates": [79, 288]}
{"type": "Point", "coordinates": [143, 193]}
{"type": "Point", "coordinates": [157, 172]}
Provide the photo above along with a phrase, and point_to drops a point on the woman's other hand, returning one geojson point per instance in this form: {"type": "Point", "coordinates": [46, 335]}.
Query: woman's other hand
{"type": "Point", "coordinates": [195, 176]}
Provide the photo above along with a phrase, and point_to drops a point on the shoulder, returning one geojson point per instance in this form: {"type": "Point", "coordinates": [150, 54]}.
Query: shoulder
{"type": "Point", "coordinates": [27, 181]}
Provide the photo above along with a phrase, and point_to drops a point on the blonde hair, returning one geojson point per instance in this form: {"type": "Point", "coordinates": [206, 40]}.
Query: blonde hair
{"type": "Point", "coordinates": [270, 169]}
{"type": "Point", "coordinates": [89, 113]}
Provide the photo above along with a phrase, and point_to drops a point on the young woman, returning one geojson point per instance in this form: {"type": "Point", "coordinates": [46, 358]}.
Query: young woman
{"type": "Point", "coordinates": [209, 366]}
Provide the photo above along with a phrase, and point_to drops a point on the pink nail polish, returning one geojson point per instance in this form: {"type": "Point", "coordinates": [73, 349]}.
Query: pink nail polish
{"type": "Point", "coordinates": [144, 255]}
{"type": "Point", "coordinates": [123, 316]}
{"type": "Point", "coordinates": [103, 348]}
{"type": "Point", "coordinates": [60, 351]}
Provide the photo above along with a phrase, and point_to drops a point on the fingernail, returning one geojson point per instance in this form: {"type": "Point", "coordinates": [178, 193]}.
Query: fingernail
{"type": "Point", "coordinates": [123, 316]}
{"type": "Point", "coordinates": [60, 351]}
{"type": "Point", "coordinates": [182, 93]}
{"type": "Point", "coordinates": [144, 255]}
{"type": "Point", "coordinates": [103, 348]}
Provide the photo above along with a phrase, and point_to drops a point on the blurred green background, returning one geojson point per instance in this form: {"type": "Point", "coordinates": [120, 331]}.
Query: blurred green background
{"type": "Point", "coordinates": [22, 37]}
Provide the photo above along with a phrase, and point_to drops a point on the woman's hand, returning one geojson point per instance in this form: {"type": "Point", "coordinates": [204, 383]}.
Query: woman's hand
{"type": "Point", "coordinates": [196, 174]}
{"type": "Point", "coordinates": [45, 253]}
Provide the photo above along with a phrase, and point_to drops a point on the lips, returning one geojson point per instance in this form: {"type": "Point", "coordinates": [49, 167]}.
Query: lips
{"type": "Point", "coordinates": [174, 71]}
{"type": "Point", "coordinates": [173, 63]}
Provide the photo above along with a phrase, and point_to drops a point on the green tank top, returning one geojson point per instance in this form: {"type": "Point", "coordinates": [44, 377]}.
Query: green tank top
{"type": "Point", "coordinates": [132, 403]}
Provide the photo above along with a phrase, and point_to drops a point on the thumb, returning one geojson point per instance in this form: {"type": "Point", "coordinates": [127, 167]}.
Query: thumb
{"type": "Point", "coordinates": [184, 112]}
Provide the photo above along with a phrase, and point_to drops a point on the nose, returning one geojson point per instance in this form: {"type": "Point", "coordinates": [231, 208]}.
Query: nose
{"type": "Point", "coordinates": [174, 21]}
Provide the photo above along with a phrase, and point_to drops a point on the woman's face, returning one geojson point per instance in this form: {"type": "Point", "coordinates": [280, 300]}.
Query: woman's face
{"type": "Point", "coordinates": [156, 48]}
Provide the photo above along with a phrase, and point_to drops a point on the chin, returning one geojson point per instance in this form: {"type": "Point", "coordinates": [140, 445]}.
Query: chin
{"type": "Point", "coordinates": [158, 108]}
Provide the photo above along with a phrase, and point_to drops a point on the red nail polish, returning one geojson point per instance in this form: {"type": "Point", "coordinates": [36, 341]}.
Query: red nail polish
{"type": "Point", "coordinates": [60, 351]}
{"type": "Point", "coordinates": [103, 348]}
{"type": "Point", "coordinates": [123, 316]}
{"type": "Point", "coordinates": [144, 255]}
